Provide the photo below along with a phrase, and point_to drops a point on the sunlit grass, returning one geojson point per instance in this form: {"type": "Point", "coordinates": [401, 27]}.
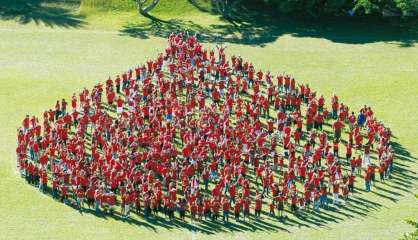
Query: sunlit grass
{"type": "Point", "coordinates": [41, 64]}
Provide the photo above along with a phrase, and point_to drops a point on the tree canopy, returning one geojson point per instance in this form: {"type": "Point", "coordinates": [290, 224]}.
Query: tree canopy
{"type": "Point", "coordinates": [310, 7]}
{"type": "Point", "coordinates": [347, 7]}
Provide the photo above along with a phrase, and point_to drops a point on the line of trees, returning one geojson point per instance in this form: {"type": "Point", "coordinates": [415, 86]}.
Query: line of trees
{"type": "Point", "coordinates": [310, 7]}
{"type": "Point", "coordinates": [348, 7]}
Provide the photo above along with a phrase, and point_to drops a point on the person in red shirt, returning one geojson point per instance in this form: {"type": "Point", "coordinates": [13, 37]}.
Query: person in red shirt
{"type": "Point", "coordinates": [351, 121]}
{"type": "Point", "coordinates": [337, 126]}
{"type": "Point", "coordinates": [193, 211]}
{"type": "Point", "coordinates": [319, 120]}
{"type": "Point", "coordinates": [55, 184]}
{"type": "Point", "coordinates": [170, 208]}
{"type": "Point", "coordinates": [348, 152]}
{"type": "Point", "coordinates": [351, 180]}
{"type": "Point", "coordinates": [280, 204]}
{"type": "Point", "coordinates": [293, 204]}
{"type": "Point", "coordinates": [371, 169]}
{"type": "Point", "coordinates": [335, 192]}
{"type": "Point", "coordinates": [237, 209]}
{"type": "Point", "coordinates": [64, 193]}
{"type": "Point", "coordinates": [335, 147]}
{"type": "Point", "coordinates": [345, 191]}
{"type": "Point", "coordinates": [147, 135]}
{"type": "Point", "coordinates": [207, 206]}
{"type": "Point", "coordinates": [215, 209]}
{"type": "Point", "coordinates": [271, 209]}
{"type": "Point", "coordinates": [366, 156]}
{"type": "Point", "coordinates": [154, 205]}
{"type": "Point", "coordinates": [258, 205]}
{"type": "Point", "coordinates": [79, 194]}
{"type": "Point", "coordinates": [367, 180]}
{"type": "Point", "coordinates": [43, 180]}
{"type": "Point", "coordinates": [90, 196]}
{"type": "Point", "coordinates": [323, 199]}
{"type": "Point", "coordinates": [382, 170]}
{"type": "Point", "coordinates": [200, 210]}
{"type": "Point", "coordinates": [225, 206]}
{"type": "Point", "coordinates": [111, 200]}
{"type": "Point", "coordinates": [246, 207]}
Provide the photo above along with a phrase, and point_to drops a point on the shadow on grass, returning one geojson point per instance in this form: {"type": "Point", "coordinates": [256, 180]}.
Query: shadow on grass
{"type": "Point", "coordinates": [51, 13]}
{"type": "Point", "coordinates": [359, 206]}
{"type": "Point", "coordinates": [250, 25]}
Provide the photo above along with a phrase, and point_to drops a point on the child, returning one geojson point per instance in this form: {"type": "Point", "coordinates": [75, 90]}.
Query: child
{"type": "Point", "coordinates": [237, 210]}
{"type": "Point", "coordinates": [271, 206]}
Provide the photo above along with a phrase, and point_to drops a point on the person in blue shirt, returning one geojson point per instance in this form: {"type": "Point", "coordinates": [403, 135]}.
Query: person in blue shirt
{"type": "Point", "coordinates": [361, 119]}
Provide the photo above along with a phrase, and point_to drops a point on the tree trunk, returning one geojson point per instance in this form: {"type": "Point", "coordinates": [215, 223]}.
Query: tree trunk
{"type": "Point", "coordinates": [144, 9]}
{"type": "Point", "coordinates": [151, 6]}
{"type": "Point", "coordinates": [225, 6]}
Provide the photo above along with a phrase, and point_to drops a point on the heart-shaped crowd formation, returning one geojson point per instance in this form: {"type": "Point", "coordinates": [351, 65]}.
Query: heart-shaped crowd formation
{"type": "Point", "coordinates": [192, 131]}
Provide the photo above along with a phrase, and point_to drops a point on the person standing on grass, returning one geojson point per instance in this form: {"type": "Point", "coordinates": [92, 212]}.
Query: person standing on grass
{"type": "Point", "coordinates": [43, 180]}
{"type": "Point", "coordinates": [371, 170]}
{"type": "Point", "coordinates": [171, 209]}
{"type": "Point", "coordinates": [215, 209]}
{"type": "Point", "coordinates": [293, 203]}
{"type": "Point", "coordinates": [361, 119]}
{"type": "Point", "coordinates": [225, 206]}
{"type": "Point", "coordinates": [316, 200]}
{"type": "Point", "coordinates": [55, 185]}
{"type": "Point", "coordinates": [97, 197]}
{"type": "Point", "coordinates": [79, 192]}
{"type": "Point", "coordinates": [334, 106]}
{"type": "Point", "coordinates": [64, 193]}
{"type": "Point", "coordinates": [258, 205]}
{"type": "Point", "coordinates": [146, 136]}
{"type": "Point", "coordinates": [193, 211]}
{"type": "Point", "coordinates": [348, 153]}
{"type": "Point", "coordinates": [246, 203]}
{"type": "Point", "coordinates": [335, 192]}
{"type": "Point", "coordinates": [199, 210]}
{"type": "Point", "coordinates": [382, 170]}
{"type": "Point", "coordinates": [337, 126]}
{"type": "Point", "coordinates": [111, 199]}
{"type": "Point", "coordinates": [367, 180]}
{"type": "Point", "coordinates": [366, 155]}
{"type": "Point", "coordinates": [237, 209]}
{"type": "Point", "coordinates": [280, 204]}
{"type": "Point", "coordinates": [335, 147]}
{"type": "Point", "coordinates": [345, 191]}
{"type": "Point", "coordinates": [351, 180]}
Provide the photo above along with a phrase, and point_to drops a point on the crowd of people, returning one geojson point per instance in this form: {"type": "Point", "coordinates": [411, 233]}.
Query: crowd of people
{"type": "Point", "coordinates": [196, 133]}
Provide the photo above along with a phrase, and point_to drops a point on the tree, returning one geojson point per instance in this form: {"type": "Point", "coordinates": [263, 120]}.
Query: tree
{"type": "Point", "coordinates": [144, 6]}
{"type": "Point", "coordinates": [413, 235]}
{"type": "Point", "coordinates": [408, 7]}
{"type": "Point", "coordinates": [401, 7]}
{"type": "Point", "coordinates": [318, 8]}
{"type": "Point", "coordinates": [314, 8]}
{"type": "Point", "coordinates": [224, 7]}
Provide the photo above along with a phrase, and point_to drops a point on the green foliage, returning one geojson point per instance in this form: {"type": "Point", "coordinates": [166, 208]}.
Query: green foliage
{"type": "Point", "coordinates": [122, 5]}
{"type": "Point", "coordinates": [341, 7]}
{"type": "Point", "coordinates": [413, 235]}
{"type": "Point", "coordinates": [407, 6]}
{"type": "Point", "coordinates": [367, 6]}
{"type": "Point", "coordinates": [313, 8]}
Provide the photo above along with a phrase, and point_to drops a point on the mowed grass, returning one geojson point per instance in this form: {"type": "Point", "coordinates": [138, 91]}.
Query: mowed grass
{"type": "Point", "coordinates": [40, 64]}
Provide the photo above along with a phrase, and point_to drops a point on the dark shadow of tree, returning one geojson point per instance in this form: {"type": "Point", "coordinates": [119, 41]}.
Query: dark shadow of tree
{"type": "Point", "coordinates": [251, 26]}
{"type": "Point", "coordinates": [50, 13]}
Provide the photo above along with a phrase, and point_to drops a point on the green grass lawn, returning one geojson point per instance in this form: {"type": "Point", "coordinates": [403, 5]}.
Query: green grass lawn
{"type": "Point", "coordinates": [51, 53]}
